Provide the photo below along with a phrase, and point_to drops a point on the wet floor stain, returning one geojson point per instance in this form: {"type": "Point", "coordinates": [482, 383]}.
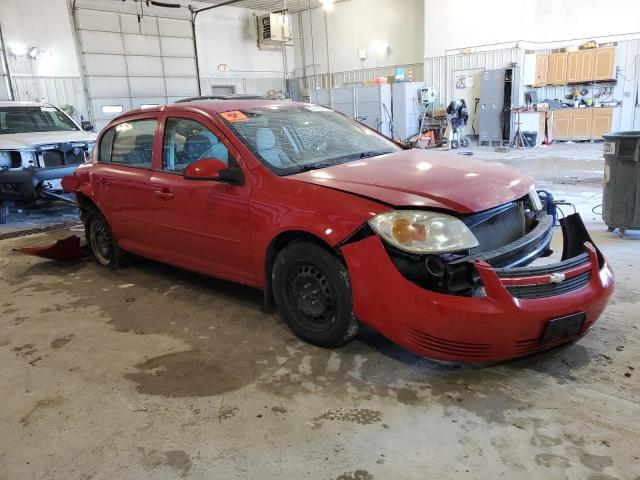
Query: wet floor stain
{"type": "Point", "coordinates": [36, 410]}
{"type": "Point", "coordinates": [60, 342]}
{"type": "Point", "coordinates": [595, 462]}
{"type": "Point", "coordinates": [361, 416]}
{"type": "Point", "coordinates": [177, 460]}
{"type": "Point", "coordinates": [356, 475]}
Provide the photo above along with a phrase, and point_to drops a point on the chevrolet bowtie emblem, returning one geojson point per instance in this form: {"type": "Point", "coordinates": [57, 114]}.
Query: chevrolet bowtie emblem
{"type": "Point", "coordinates": [556, 278]}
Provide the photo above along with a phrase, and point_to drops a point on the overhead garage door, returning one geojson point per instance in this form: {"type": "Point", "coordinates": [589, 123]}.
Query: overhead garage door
{"type": "Point", "coordinates": [131, 61]}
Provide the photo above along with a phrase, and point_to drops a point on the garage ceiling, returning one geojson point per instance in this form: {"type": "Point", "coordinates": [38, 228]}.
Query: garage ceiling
{"type": "Point", "coordinates": [270, 5]}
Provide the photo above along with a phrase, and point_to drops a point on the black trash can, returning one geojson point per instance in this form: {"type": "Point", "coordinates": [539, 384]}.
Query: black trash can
{"type": "Point", "coordinates": [530, 138]}
{"type": "Point", "coordinates": [621, 190]}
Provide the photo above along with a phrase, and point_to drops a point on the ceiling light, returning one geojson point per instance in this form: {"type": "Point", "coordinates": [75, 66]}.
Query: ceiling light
{"type": "Point", "coordinates": [327, 5]}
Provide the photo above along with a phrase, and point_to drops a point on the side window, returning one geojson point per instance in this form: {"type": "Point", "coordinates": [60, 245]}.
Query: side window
{"type": "Point", "coordinates": [186, 141]}
{"type": "Point", "coordinates": [106, 144]}
{"type": "Point", "coordinates": [129, 143]}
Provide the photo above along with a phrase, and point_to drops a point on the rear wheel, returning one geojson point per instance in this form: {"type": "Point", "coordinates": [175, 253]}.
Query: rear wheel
{"type": "Point", "coordinates": [102, 244]}
{"type": "Point", "coordinates": [464, 142]}
{"type": "Point", "coordinates": [313, 294]}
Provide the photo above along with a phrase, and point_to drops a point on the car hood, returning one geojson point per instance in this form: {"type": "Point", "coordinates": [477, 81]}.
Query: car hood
{"type": "Point", "coordinates": [30, 139]}
{"type": "Point", "coordinates": [424, 178]}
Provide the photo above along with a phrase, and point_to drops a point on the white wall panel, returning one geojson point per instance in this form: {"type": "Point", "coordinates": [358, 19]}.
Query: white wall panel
{"type": "Point", "coordinates": [145, 66]}
{"type": "Point", "coordinates": [141, 45]}
{"type": "Point", "coordinates": [180, 67]}
{"type": "Point", "coordinates": [146, 86]}
{"type": "Point", "coordinates": [171, 27]}
{"type": "Point", "coordinates": [98, 20]}
{"type": "Point", "coordinates": [100, 42]}
{"type": "Point", "coordinates": [105, 87]}
{"type": "Point", "coordinates": [177, 47]}
{"type": "Point", "coordinates": [56, 90]}
{"type": "Point", "coordinates": [104, 65]}
{"type": "Point", "coordinates": [142, 26]}
{"type": "Point", "coordinates": [185, 87]}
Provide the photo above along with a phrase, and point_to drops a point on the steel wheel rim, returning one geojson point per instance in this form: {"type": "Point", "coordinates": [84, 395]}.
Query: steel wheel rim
{"type": "Point", "coordinates": [101, 243]}
{"type": "Point", "coordinates": [311, 296]}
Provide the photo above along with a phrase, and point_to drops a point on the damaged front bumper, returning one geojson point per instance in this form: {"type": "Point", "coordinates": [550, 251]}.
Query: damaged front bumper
{"type": "Point", "coordinates": [25, 184]}
{"type": "Point", "coordinates": [514, 311]}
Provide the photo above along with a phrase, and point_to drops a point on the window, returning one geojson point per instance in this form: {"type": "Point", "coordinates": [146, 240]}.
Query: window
{"type": "Point", "coordinates": [186, 141]}
{"type": "Point", "coordinates": [34, 119]}
{"type": "Point", "coordinates": [293, 138]}
{"type": "Point", "coordinates": [129, 143]}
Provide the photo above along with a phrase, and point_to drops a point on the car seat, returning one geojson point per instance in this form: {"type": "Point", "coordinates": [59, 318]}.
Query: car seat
{"type": "Point", "coordinates": [266, 147]}
{"type": "Point", "coordinates": [141, 153]}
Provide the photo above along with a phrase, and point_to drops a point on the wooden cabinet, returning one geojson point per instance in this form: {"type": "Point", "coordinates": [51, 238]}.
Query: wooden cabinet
{"type": "Point", "coordinates": [557, 69]}
{"type": "Point", "coordinates": [542, 65]}
{"type": "Point", "coordinates": [573, 67]}
{"type": "Point", "coordinates": [581, 123]}
{"type": "Point", "coordinates": [560, 68]}
{"type": "Point", "coordinates": [602, 119]}
{"type": "Point", "coordinates": [581, 120]}
{"type": "Point", "coordinates": [562, 120]}
{"type": "Point", "coordinates": [604, 64]}
{"type": "Point", "coordinates": [586, 65]}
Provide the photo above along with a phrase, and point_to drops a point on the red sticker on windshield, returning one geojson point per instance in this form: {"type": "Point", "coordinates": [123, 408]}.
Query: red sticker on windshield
{"type": "Point", "coordinates": [234, 116]}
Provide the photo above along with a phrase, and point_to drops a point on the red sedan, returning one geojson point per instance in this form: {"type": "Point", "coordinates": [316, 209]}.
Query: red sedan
{"type": "Point", "coordinates": [341, 226]}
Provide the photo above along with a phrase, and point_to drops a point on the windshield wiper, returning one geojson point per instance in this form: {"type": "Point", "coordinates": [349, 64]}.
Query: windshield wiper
{"type": "Point", "coordinates": [374, 153]}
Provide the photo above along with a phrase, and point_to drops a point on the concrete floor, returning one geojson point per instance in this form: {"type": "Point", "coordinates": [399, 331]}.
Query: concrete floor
{"type": "Point", "coordinates": [153, 372]}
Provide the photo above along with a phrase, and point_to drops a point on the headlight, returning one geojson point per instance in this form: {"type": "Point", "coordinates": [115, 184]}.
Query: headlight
{"type": "Point", "coordinates": [423, 232]}
{"type": "Point", "coordinates": [5, 160]}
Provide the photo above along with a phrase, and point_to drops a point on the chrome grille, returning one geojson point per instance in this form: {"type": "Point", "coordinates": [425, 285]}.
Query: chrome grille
{"type": "Point", "coordinates": [495, 231]}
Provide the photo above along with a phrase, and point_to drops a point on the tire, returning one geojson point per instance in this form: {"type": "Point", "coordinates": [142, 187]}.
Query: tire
{"type": "Point", "coordinates": [464, 142]}
{"type": "Point", "coordinates": [103, 246]}
{"type": "Point", "coordinates": [313, 295]}
{"type": "Point", "coordinates": [455, 144]}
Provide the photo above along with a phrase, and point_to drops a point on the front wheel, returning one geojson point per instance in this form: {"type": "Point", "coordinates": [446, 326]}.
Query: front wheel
{"type": "Point", "coordinates": [313, 294]}
{"type": "Point", "coordinates": [102, 244]}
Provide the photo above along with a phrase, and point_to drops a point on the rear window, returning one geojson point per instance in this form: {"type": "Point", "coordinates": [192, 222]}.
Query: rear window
{"type": "Point", "coordinates": [129, 143]}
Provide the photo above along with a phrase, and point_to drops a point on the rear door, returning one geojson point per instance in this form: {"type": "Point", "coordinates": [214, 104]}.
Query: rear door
{"type": "Point", "coordinates": [122, 184]}
{"type": "Point", "coordinates": [204, 225]}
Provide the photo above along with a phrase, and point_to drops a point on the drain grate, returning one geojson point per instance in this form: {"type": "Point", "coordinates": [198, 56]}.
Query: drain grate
{"type": "Point", "coordinates": [43, 229]}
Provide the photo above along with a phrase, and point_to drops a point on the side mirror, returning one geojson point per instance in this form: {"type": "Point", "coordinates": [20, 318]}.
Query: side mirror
{"type": "Point", "coordinates": [87, 126]}
{"type": "Point", "coordinates": [213, 169]}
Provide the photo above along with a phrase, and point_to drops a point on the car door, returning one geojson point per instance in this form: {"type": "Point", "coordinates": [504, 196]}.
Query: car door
{"type": "Point", "coordinates": [122, 184]}
{"type": "Point", "coordinates": [204, 225]}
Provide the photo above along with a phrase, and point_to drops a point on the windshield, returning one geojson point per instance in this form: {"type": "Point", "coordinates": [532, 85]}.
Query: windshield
{"type": "Point", "coordinates": [34, 119]}
{"type": "Point", "coordinates": [292, 139]}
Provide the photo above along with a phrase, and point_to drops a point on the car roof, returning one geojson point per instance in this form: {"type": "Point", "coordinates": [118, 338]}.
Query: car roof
{"type": "Point", "coordinates": [212, 106]}
{"type": "Point", "coordinates": [10, 103]}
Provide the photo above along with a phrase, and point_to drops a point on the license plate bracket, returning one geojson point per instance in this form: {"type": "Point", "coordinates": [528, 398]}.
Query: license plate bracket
{"type": "Point", "coordinates": [563, 328]}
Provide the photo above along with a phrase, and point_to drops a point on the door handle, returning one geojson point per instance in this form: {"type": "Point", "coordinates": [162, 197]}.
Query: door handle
{"type": "Point", "coordinates": [164, 194]}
